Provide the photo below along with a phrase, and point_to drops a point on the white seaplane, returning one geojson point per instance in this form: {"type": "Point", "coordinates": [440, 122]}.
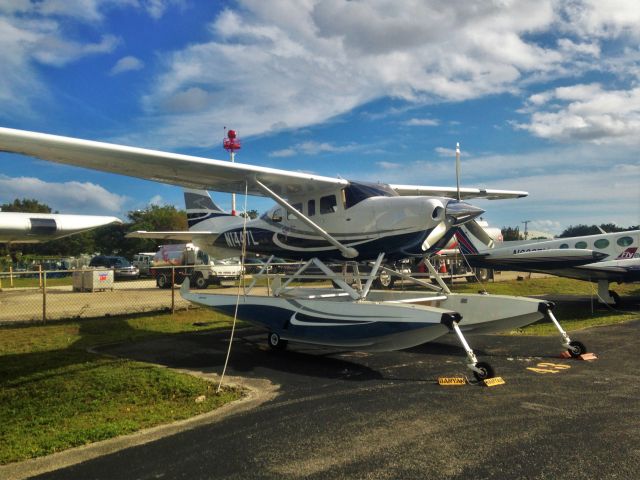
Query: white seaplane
{"type": "Point", "coordinates": [319, 218]}
{"type": "Point", "coordinates": [602, 258]}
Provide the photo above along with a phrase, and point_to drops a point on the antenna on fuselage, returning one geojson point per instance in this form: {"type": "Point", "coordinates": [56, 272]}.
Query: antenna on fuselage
{"type": "Point", "coordinates": [231, 143]}
{"type": "Point", "coordinates": [458, 170]}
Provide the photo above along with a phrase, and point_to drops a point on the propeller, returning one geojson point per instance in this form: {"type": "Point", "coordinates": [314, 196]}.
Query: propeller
{"type": "Point", "coordinates": [454, 214]}
{"type": "Point", "coordinates": [480, 233]}
{"type": "Point", "coordinates": [457, 213]}
{"type": "Point", "coordinates": [473, 226]}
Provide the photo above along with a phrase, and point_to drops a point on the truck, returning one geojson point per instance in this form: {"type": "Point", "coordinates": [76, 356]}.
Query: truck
{"type": "Point", "coordinates": [186, 260]}
{"type": "Point", "coordinates": [143, 261]}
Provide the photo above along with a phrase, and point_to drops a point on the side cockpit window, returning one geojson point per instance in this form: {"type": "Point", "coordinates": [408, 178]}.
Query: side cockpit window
{"type": "Point", "coordinates": [356, 192]}
{"type": "Point", "coordinates": [292, 215]}
{"type": "Point", "coordinates": [328, 204]}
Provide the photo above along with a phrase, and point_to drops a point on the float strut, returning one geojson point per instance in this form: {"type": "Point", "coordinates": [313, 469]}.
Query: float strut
{"type": "Point", "coordinates": [574, 348]}
{"type": "Point", "coordinates": [471, 357]}
{"type": "Point", "coordinates": [565, 336]}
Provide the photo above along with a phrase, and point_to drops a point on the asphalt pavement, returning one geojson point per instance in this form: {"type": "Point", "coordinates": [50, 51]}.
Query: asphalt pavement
{"type": "Point", "coordinates": [355, 415]}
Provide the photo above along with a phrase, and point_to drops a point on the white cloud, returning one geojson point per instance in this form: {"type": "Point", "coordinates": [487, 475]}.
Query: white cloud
{"type": "Point", "coordinates": [312, 148]}
{"type": "Point", "coordinates": [586, 113]}
{"type": "Point", "coordinates": [35, 33]}
{"type": "Point", "coordinates": [283, 64]}
{"type": "Point", "coordinates": [157, 8]}
{"type": "Point", "coordinates": [422, 122]}
{"type": "Point", "coordinates": [127, 64]}
{"type": "Point", "coordinates": [595, 18]}
{"type": "Point", "coordinates": [264, 70]}
{"type": "Point", "coordinates": [66, 197]}
{"type": "Point", "coordinates": [156, 200]}
{"type": "Point", "coordinates": [567, 185]}
{"type": "Point", "coordinates": [285, 152]}
{"type": "Point", "coordinates": [388, 165]}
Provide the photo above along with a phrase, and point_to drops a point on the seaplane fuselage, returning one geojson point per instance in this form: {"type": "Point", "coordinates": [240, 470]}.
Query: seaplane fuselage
{"type": "Point", "coordinates": [368, 218]}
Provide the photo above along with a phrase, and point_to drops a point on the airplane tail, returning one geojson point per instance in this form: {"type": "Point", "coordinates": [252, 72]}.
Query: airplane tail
{"type": "Point", "coordinates": [468, 243]}
{"type": "Point", "coordinates": [201, 207]}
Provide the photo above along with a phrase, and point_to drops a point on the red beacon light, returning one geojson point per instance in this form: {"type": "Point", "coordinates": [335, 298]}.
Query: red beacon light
{"type": "Point", "coordinates": [231, 143]}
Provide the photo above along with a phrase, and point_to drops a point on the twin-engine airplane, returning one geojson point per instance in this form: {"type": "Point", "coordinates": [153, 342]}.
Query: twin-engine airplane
{"type": "Point", "coordinates": [319, 218]}
{"type": "Point", "coordinates": [18, 227]}
{"type": "Point", "coordinates": [601, 258]}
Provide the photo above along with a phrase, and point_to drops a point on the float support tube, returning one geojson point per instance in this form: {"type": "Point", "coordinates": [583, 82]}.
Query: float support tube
{"type": "Point", "coordinates": [347, 252]}
{"type": "Point", "coordinates": [546, 309]}
{"type": "Point", "coordinates": [436, 275]}
{"type": "Point", "coordinates": [451, 321]}
{"type": "Point", "coordinates": [372, 275]}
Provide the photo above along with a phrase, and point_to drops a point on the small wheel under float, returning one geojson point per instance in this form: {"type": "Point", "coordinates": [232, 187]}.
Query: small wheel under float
{"type": "Point", "coordinates": [576, 348]}
{"type": "Point", "coordinates": [486, 371]}
{"type": "Point", "coordinates": [275, 342]}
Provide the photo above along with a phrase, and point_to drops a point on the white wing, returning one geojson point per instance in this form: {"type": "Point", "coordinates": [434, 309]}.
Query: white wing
{"type": "Point", "coordinates": [465, 193]}
{"type": "Point", "coordinates": [197, 172]}
{"type": "Point", "coordinates": [173, 168]}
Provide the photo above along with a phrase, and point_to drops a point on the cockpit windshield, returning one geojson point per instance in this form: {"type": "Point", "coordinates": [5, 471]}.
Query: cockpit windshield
{"type": "Point", "coordinates": [356, 192]}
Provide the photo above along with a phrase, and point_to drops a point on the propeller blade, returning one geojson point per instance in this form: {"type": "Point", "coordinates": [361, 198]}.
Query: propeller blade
{"type": "Point", "coordinates": [480, 233]}
{"type": "Point", "coordinates": [435, 235]}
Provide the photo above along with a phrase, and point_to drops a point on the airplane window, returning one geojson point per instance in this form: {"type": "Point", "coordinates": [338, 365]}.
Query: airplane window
{"type": "Point", "coordinates": [311, 208]}
{"type": "Point", "coordinates": [581, 244]}
{"type": "Point", "coordinates": [43, 226]}
{"type": "Point", "coordinates": [602, 243]}
{"type": "Point", "coordinates": [277, 215]}
{"type": "Point", "coordinates": [328, 204]}
{"type": "Point", "coordinates": [564, 245]}
{"type": "Point", "coordinates": [356, 192]}
{"type": "Point", "coordinates": [292, 215]}
{"type": "Point", "coordinates": [624, 241]}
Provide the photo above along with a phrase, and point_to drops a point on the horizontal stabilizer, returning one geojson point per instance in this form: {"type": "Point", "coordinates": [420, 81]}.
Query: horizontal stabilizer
{"type": "Point", "coordinates": [176, 235]}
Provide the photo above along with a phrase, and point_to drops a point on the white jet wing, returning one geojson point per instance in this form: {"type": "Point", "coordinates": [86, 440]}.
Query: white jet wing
{"type": "Point", "coordinates": [451, 192]}
{"type": "Point", "coordinates": [166, 167]}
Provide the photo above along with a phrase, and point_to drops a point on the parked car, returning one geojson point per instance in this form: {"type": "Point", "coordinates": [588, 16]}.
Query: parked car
{"type": "Point", "coordinates": [121, 266]}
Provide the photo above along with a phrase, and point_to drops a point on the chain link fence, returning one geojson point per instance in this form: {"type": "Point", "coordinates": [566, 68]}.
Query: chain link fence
{"type": "Point", "coordinates": [45, 295]}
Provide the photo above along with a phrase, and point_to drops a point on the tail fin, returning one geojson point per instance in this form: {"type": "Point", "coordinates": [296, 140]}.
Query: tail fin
{"type": "Point", "coordinates": [200, 207]}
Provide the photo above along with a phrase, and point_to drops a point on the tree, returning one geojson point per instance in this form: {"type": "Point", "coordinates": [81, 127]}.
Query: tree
{"type": "Point", "coordinates": [511, 233]}
{"type": "Point", "coordinates": [250, 214]}
{"type": "Point", "coordinates": [581, 230]}
{"type": "Point", "coordinates": [27, 205]}
{"type": "Point", "coordinates": [155, 218]}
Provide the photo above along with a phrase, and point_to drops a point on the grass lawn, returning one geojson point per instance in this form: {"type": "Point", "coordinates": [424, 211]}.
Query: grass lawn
{"type": "Point", "coordinates": [55, 395]}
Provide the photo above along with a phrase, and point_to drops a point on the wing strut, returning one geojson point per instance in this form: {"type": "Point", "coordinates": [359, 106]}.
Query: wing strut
{"type": "Point", "coordinates": [347, 252]}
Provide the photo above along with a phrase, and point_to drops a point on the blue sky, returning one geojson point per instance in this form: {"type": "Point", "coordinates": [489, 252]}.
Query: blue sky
{"type": "Point", "coordinates": [543, 96]}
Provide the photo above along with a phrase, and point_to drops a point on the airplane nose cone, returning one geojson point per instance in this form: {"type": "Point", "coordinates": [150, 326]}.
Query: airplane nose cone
{"type": "Point", "coordinates": [462, 212]}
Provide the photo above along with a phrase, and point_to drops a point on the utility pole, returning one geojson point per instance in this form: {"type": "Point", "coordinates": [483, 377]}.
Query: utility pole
{"type": "Point", "coordinates": [526, 231]}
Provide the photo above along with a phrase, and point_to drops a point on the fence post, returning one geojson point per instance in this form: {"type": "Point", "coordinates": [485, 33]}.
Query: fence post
{"type": "Point", "coordinates": [173, 290]}
{"type": "Point", "coordinates": [11, 276]}
{"type": "Point", "coordinates": [44, 297]}
{"type": "Point", "coordinates": [40, 275]}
